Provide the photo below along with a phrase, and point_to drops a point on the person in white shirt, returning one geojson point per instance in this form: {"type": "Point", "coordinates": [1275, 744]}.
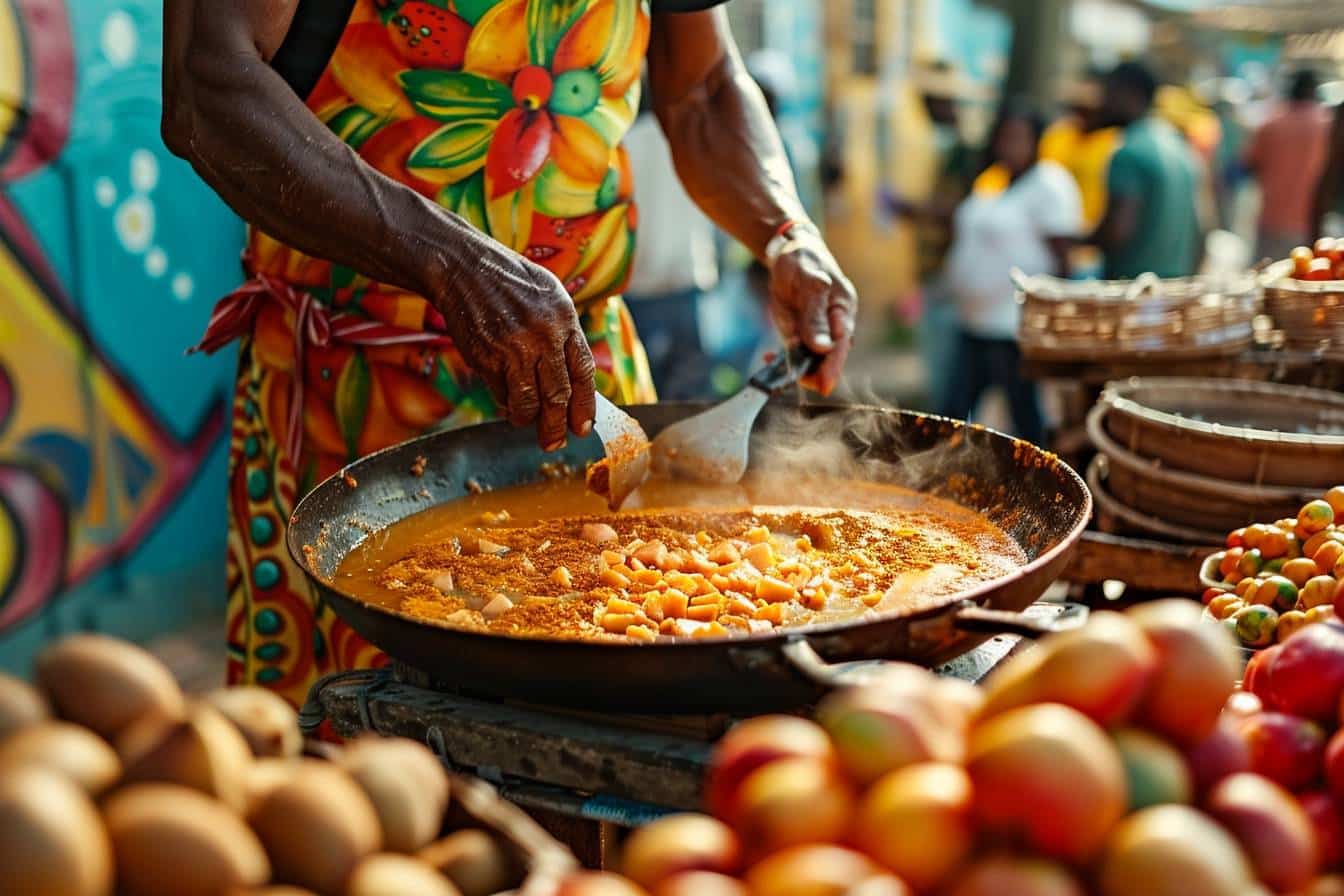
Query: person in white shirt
{"type": "Point", "coordinates": [1029, 224]}
{"type": "Point", "coordinates": [675, 264]}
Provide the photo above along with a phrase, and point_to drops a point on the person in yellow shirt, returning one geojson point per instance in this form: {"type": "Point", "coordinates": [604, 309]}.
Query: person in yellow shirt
{"type": "Point", "coordinates": [1082, 145]}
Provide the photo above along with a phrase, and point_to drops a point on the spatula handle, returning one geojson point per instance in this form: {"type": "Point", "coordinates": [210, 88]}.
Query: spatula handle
{"type": "Point", "coordinates": [786, 370]}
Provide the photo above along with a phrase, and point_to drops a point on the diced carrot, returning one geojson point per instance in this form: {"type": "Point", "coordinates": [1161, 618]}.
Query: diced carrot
{"type": "Point", "coordinates": [772, 589]}
{"type": "Point", "coordinates": [740, 606]}
{"type": "Point", "coordinates": [560, 576]}
{"type": "Point", "coordinates": [758, 535]}
{"type": "Point", "coordinates": [702, 538]}
{"type": "Point", "coordinates": [720, 581]}
{"type": "Point", "coordinates": [635, 564]}
{"type": "Point", "coordinates": [803, 543]}
{"type": "Point", "coordinates": [613, 558]}
{"type": "Point", "coordinates": [648, 576]}
{"type": "Point", "coordinates": [872, 598]}
{"type": "Point", "coordinates": [817, 601]}
{"type": "Point", "coordinates": [674, 560]}
{"type": "Point", "coordinates": [682, 582]}
{"type": "Point", "coordinates": [613, 578]}
{"type": "Point", "coordinates": [712, 630]}
{"type": "Point", "coordinates": [619, 622]}
{"type": "Point", "coordinates": [761, 556]}
{"type": "Point", "coordinates": [652, 554]}
{"type": "Point", "coordinates": [674, 603]}
{"type": "Point", "coordinates": [705, 613]}
{"type": "Point", "coordinates": [641, 634]}
{"type": "Point", "coordinates": [772, 613]}
{"type": "Point", "coordinates": [707, 600]}
{"type": "Point", "coordinates": [668, 626]}
{"type": "Point", "coordinates": [724, 552]}
{"type": "Point", "coordinates": [684, 628]}
{"type": "Point", "coordinates": [700, 564]}
{"type": "Point", "coordinates": [621, 605]}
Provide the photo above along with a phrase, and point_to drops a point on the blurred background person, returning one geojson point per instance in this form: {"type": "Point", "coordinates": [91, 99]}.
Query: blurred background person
{"type": "Point", "coordinates": [1288, 155]}
{"type": "Point", "coordinates": [1328, 201]}
{"type": "Point", "coordinates": [1083, 143]}
{"type": "Point", "coordinates": [675, 265]}
{"type": "Point", "coordinates": [1151, 222]}
{"type": "Point", "coordinates": [1029, 225]}
{"type": "Point", "coordinates": [955, 167]}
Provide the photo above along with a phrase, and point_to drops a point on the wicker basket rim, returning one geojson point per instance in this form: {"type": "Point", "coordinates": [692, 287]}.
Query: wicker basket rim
{"type": "Point", "coordinates": [1096, 472]}
{"type": "Point", "coordinates": [1278, 277]}
{"type": "Point", "coordinates": [1191, 481]}
{"type": "Point", "coordinates": [1117, 395]}
{"type": "Point", "coordinates": [1049, 288]}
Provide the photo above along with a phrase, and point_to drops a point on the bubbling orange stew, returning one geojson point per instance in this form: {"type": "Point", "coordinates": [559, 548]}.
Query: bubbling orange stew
{"type": "Point", "coordinates": [679, 561]}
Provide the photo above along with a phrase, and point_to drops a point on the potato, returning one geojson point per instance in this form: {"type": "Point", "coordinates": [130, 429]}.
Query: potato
{"type": "Point", "coordinates": [407, 785]}
{"type": "Point", "coordinates": [264, 776]}
{"type": "Point", "coordinates": [173, 841]}
{"type": "Point", "coordinates": [387, 874]}
{"type": "Point", "coordinates": [51, 840]}
{"type": "Point", "coordinates": [475, 862]}
{"type": "Point", "coordinates": [269, 724]}
{"type": "Point", "coordinates": [204, 751]}
{"type": "Point", "coordinates": [20, 704]}
{"type": "Point", "coordinates": [105, 684]}
{"type": "Point", "coordinates": [75, 752]}
{"type": "Point", "coordinates": [316, 827]}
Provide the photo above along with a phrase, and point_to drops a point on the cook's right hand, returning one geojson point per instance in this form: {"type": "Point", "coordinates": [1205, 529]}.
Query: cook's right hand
{"type": "Point", "coordinates": [517, 328]}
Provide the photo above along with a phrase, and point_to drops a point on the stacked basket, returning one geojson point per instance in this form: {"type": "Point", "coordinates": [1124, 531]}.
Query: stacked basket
{"type": "Point", "coordinates": [1310, 313]}
{"type": "Point", "coordinates": [1179, 319]}
{"type": "Point", "coordinates": [1189, 459]}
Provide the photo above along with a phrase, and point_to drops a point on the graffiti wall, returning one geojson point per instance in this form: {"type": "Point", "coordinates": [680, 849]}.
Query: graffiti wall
{"type": "Point", "coordinates": [111, 253]}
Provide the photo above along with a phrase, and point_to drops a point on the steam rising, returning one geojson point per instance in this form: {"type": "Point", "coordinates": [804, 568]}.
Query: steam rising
{"type": "Point", "coordinates": [868, 443]}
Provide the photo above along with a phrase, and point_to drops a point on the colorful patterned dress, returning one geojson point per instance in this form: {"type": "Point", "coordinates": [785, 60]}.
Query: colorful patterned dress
{"type": "Point", "coordinates": [508, 112]}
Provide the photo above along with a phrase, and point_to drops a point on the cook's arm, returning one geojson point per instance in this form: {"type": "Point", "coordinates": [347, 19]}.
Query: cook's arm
{"type": "Point", "coordinates": [729, 156]}
{"type": "Point", "coordinates": [252, 139]}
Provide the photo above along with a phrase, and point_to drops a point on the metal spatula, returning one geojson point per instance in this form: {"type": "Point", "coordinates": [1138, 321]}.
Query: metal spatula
{"type": "Point", "coordinates": [712, 446]}
{"type": "Point", "coordinates": [626, 465]}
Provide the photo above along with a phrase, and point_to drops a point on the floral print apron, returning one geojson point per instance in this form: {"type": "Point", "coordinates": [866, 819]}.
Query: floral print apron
{"type": "Point", "coordinates": [509, 113]}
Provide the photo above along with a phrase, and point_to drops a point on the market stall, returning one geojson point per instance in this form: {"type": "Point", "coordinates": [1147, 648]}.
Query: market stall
{"type": "Point", "coordinates": [1176, 394]}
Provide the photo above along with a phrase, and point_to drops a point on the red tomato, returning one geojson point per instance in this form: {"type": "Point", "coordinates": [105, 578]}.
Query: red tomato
{"type": "Point", "coordinates": [1302, 257]}
{"type": "Point", "coordinates": [1321, 269]}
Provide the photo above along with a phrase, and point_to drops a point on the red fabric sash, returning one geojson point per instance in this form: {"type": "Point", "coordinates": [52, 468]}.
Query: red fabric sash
{"type": "Point", "coordinates": [314, 324]}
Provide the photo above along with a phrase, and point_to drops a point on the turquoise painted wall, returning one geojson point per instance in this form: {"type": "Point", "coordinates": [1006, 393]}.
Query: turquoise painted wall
{"type": "Point", "coordinates": [115, 455]}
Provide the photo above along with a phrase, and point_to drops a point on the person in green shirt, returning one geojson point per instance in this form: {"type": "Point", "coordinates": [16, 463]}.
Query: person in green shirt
{"type": "Point", "coordinates": [1151, 222]}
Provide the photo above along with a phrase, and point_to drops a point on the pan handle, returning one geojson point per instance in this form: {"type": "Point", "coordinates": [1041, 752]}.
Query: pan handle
{"type": "Point", "coordinates": [975, 618]}
{"type": "Point", "coordinates": [971, 618]}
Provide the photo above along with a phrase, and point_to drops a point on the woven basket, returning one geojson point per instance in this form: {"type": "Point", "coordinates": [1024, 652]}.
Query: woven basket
{"type": "Point", "coordinates": [1310, 313]}
{"type": "Point", "coordinates": [1188, 500]}
{"type": "Point", "coordinates": [1252, 435]}
{"type": "Point", "coordinates": [1118, 518]}
{"type": "Point", "coordinates": [1115, 320]}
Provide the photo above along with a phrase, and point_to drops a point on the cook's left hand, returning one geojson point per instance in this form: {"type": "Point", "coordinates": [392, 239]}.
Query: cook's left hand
{"type": "Point", "coordinates": [812, 301]}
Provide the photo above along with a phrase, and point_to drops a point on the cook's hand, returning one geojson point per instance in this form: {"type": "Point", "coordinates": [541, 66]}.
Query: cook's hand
{"type": "Point", "coordinates": [517, 328]}
{"type": "Point", "coordinates": [812, 301]}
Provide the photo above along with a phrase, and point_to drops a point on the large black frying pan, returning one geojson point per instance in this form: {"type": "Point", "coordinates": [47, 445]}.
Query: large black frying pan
{"type": "Point", "coordinates": [1034, 497]}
